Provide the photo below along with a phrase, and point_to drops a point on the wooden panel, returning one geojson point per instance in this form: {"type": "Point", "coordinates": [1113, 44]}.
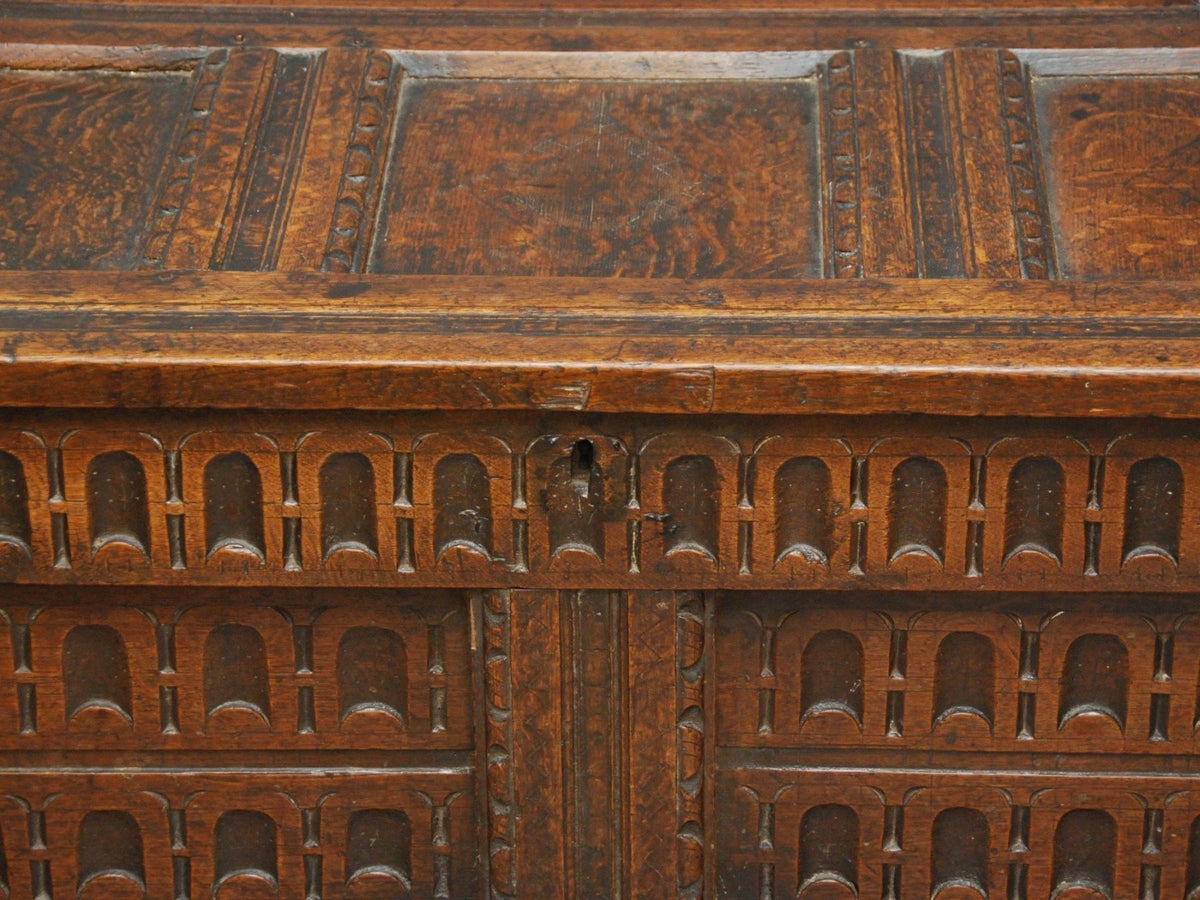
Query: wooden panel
{"type": "Point", "coordinates": [887, 224]}
{"type": "Point", "coordinates": [1121, 159]}
{"type": "Point", "coordinates": [595, 724]}
{"type": "Point", "coordinates": [721, 165]}
{"type": "Point", "coordinates": [989, 173]}
{"type": "Point", "coordinates": [85, 152]}
{"type": "Point", "coordinates": [538, 765]}
{"type": "Point", "coordinates": [252, 242]}
{"type": "Point", "coordinates": [658, 844]}
{"type": "Point", "coordinates": [933, 166]}
{"type": "Point", "coordinates": [205, 674]}
{"type": "Point", "coordinates": [209, 172]}
{"type": "Point", "coordinates": [603, 177]}
{"type": "Point", "coordinates": [325, 155]}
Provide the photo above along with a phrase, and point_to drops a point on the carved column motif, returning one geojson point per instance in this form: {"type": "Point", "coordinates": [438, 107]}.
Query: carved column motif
{"type": "Point", "coordinates": [1033, 242]}
{"type": "Point", "coordinates": [690, 772]}
{"type": "Point", "coordinates": [499, 736]}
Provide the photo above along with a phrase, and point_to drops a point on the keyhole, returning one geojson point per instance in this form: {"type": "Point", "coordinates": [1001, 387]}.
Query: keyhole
{"type": "Point", "coordinates": [583, 456]}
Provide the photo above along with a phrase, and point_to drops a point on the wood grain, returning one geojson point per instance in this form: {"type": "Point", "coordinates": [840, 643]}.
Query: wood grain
{"type": "Point", "coordinates": [85, 154]}
{"type": "Point", "coordinates": [1120, 174]}
{"type": "Point", "coordinates": [604, 179]}
{"type": "Point", "coordinates": [709, 25]}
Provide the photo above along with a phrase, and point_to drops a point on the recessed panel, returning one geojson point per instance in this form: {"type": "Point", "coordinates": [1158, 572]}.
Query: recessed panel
{"type": "Point", "coordinates": [171, 670]}
{"type": "Point", "coordinates": [82, 157]}
{"type": "Point", "coordinates": [1121, 161]}
{"type": "Point", "coordinates": [633, 178]}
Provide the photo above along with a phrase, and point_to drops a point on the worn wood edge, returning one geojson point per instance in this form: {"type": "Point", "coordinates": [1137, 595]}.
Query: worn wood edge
{"type": "Point", "coordinates": [576, 5]}
{"type": "Point", "coordinates": [953, 347]}
{"type": "Point", "coordinates": [310, 293]}
{"type": "Point", "coordinates": [596, 26]}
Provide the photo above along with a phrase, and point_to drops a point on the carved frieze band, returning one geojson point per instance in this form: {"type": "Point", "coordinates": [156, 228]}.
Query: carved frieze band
{"type": "Point", "coordinates": [184, 836]}
{"type": "Point", "coordinates": [470, 507]}
{"type": "Point", "coordinates": [208, 676]}
{"type": "Point", "coordinates": [797, 833]}
{"type": "Point", "coordinates": [1020, 679]}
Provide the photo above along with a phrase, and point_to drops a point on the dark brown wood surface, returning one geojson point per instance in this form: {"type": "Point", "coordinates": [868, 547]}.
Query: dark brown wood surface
{"type": "Point", "coordinates": [673, 448]}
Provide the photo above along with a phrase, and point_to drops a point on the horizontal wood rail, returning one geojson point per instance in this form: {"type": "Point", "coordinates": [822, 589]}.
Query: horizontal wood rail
{"type": "Point", "coordinates": [320, 341]}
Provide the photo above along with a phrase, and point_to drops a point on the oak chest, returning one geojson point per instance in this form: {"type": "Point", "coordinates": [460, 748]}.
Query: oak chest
{"type": "Point", "coordinates": [594, 449]}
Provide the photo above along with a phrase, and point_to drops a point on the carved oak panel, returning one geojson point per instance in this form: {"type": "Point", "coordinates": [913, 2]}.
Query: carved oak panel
{"type": "Point", "coordinates": [795, 832]}
{"type": "Point", "coordinates": [127, 672]}
{"type": "Point", "coordinates": [213, 834]}
{"type": "Point", "coordinates": [1021, 163]}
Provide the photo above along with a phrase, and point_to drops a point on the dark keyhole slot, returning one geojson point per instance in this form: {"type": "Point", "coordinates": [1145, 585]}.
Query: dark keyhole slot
{"type": "Point", "coordinates": [583, 456]}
